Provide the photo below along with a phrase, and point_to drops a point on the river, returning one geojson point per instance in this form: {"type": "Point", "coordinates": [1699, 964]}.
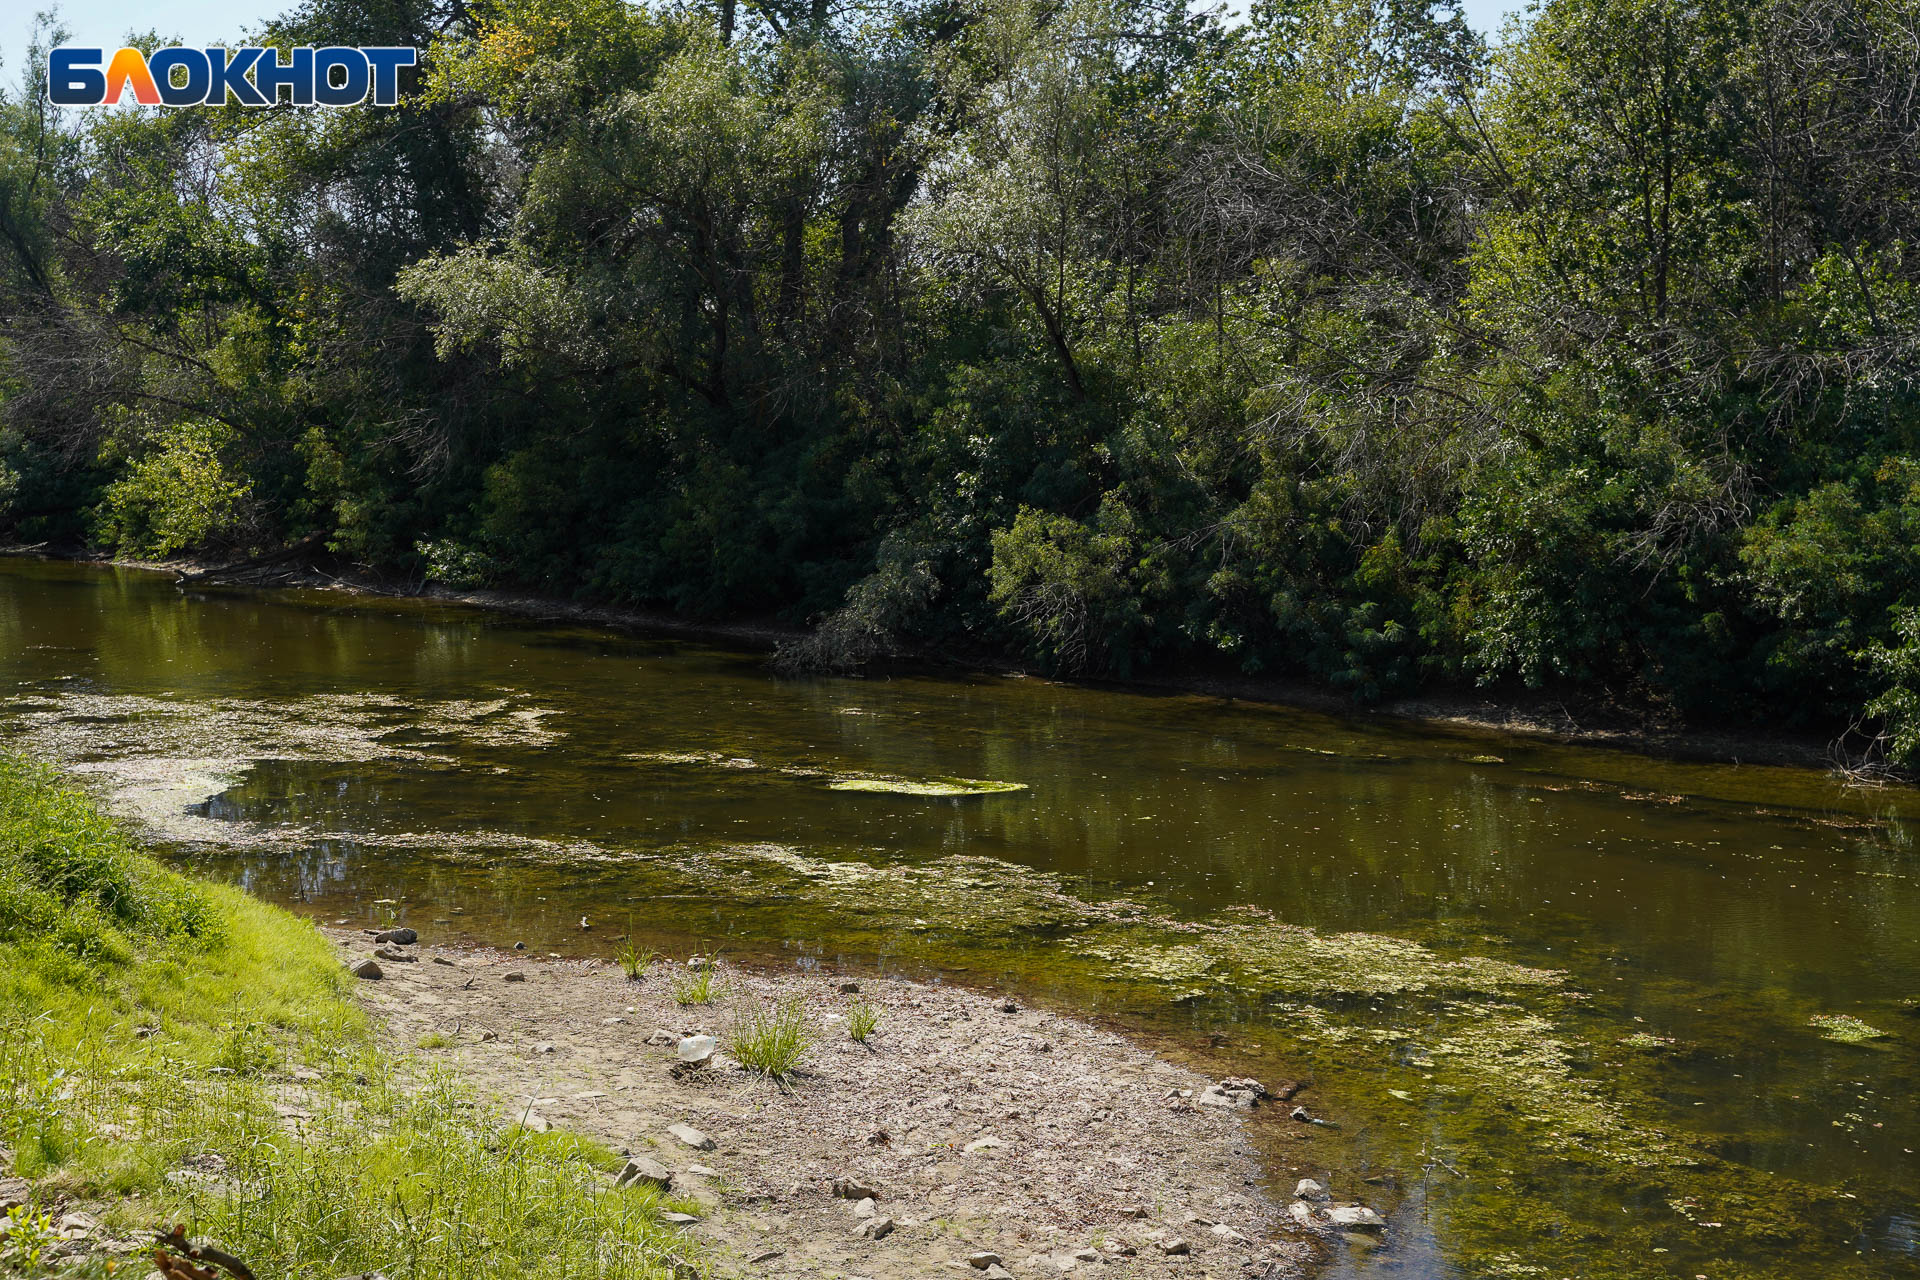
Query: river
{"type": "Point", "coordinates": [1569, 1012]}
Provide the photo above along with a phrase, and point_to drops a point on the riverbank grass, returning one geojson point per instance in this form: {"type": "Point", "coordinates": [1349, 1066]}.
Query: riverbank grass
{"type": "Point", "coordinates": [175, 1051]}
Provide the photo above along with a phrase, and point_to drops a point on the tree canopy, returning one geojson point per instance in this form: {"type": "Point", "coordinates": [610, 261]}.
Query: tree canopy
{"type": "Point", "coordinates": [1328, 341]}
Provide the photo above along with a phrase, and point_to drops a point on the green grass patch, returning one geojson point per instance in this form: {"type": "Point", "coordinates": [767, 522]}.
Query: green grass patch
{"type": "Point", "coordinates": [190, 1054]}
{"type": "Point", "coordinates": [697, 984]}
{"type": "Point", "coordinates": [772, 1039]}
{"type": "Point", "coordinates": [863, 1020]}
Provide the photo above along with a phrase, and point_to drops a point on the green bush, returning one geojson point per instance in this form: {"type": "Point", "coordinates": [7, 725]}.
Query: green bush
{"type": "Point", "coordinates": [177, 495]}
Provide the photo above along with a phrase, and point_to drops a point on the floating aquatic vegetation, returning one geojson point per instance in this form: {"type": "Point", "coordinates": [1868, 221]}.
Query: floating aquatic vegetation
{"type": "Point", "coordinates": [1844, 1029]}
{"type": "Point", "coordinates": [1267, 957]}
{"type": "Point", "coordinates": [1647, 1041]}
{"type": "Point", "coordinates": [715, 758]}
{"type": "Point", "coordinates": [926, 786]}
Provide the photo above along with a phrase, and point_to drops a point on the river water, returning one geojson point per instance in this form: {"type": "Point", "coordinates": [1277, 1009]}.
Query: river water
{"type": "Point", "coordinates": [1568, 1012]}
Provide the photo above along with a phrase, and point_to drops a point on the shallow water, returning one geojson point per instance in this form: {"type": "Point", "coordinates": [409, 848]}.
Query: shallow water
{"type": "Point", "coordinates": [1563, 1004]}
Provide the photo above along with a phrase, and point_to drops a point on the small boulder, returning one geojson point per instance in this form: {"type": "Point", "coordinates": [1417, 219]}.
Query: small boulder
{"type": "Point", "coordinates": [985, 1144]}
{"type": "Point", "coordinates": [545, 1046]}
{"type": "Point", "coordinates": [1356, 1217]}
{"type": "Point", "coordinates": [1308, 1189]}
{"type": "Point", "coordinates": [1228, 1234]}
{"type": "Point", "coordinates": [368, 969]}
{"type": "Point", "coordinates": [864, 1209]}
{"type": "Point", "coordinates": [1174, 1246]}
{"type": "Point", "coordinates": [849, 988]}
{"type": "Point", "coordinates": [405, 937]}
{"type": "Point", "coordinates": [644, 1171]}
{"type": "Point", "coordinates": [660, 1035]}
{"type": "Point", "coordinates": [514, 975]}
{"type": "Point", "coordinates": [854, 1189]}
{"type": "Point", "coordinates": [691, 1137]}
{"type": "Point", "coordinates": [874, 1228]}
{"type": "Point", "coordinates": [998, 1272]}
{"type": "Point", "coordinates": [982, 1260]}
{"type": "Point", "coordinates": [1301, 1212]}
{"type": "Point", "coordinates": [679, 1219]}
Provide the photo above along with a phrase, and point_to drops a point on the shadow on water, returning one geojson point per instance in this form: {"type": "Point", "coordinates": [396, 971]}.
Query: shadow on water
{"type": "Point", "coordinates": [1575, 1012]}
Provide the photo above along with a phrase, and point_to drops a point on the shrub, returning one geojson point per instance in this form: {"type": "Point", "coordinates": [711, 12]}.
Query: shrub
{"type": "Point", "coordinates": [177, 496]}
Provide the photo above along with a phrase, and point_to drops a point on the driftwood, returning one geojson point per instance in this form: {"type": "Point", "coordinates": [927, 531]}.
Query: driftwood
{"type": "Point", "coordinates": [244, 568]}
{"type": "Point", "coordinates": [176, 1259]}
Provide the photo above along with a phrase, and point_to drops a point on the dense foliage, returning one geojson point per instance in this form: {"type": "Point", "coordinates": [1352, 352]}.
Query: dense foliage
{"type": "Point", "coordinates": [1327, 342]}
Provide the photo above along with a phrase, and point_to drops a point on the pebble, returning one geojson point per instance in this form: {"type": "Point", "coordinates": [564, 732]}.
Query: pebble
{"type": "Point", "coordinates": [700, 1170]}
{"type": "Point", "coordinates": [874, 1228]}
{"type": "Point", "coordinates": [849, 988]}
{"type": "Point", "coordinates": [365, 969]}
{"type": "Point", "coordinates": [661, 1035]}
{"type": "Point", "coordinates": [405, 937]}
{"type": "Point", "coordinates": [519, 946]}
{"type": "Point", "coordinates": [985, 1144]}
{"type": "Point", "coordinates": [679, 1219]}
{"type": "Point", "coordinates": [514, 975]}
{"type": "Point", "coordinates": [697, 1050]}
{"type": "Point", "coordinates": [545, 1046]}
{"type": "Point", "coordinates": [1308, 1189]}
{"type": "Point", "coordinates": [864, 1209]}
{"type": "Point", "coordinates": [443, 960]}
{"type": "Point", "coordinates": [615, 1021]}
{"type": "Point", "coordinates": [690, 1136]}
{"type": "Point", "coordinates": [1228, 1234]}
{"type": "Point", "coordinates": [489, 1035]}
{"type": "Point", "coordinates": [982, 1260]}
{"type": "Point", "coordinates": [853, 1189]}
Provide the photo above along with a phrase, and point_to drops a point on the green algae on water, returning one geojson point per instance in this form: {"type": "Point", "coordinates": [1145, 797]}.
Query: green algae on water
{"type": "Point", "coordinates": [926, 786]}
{"type": "Point", "coordinates": [1843, 1029]}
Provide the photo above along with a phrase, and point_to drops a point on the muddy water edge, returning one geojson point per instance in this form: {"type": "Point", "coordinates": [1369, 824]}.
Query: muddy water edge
{"type": "Point", "coordinates": [1567, 1012]}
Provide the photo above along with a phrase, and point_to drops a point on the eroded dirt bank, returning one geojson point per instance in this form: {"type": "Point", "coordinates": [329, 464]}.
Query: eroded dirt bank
{"type": "Point", "coordinates": [1044, 1141]}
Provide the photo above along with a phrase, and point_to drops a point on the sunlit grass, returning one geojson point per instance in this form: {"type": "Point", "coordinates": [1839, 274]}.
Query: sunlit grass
{"type": "Point", "coordinates": [772, 1039]}
{"type": "Point", "coordinates": [698, 984]}
{"type": "Point", "coordinates": [863, 1020]}
{"type": "Point", "coordinates": [195, 1046]}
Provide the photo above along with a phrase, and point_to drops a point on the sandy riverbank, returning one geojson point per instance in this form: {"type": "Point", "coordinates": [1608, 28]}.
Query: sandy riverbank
{"type": "Point", "coordinates": [1046, 1141]}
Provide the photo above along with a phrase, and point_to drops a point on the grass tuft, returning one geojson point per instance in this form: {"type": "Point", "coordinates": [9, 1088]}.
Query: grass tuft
{"type": "Point", "coordinates": [634, 958]}
{"type": "Point", "coordinates": [771, 1039]}
{"type": "Point", "coordinates": [696, 985]}
{"type": "Point", "coordinates": [863, 1020]}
